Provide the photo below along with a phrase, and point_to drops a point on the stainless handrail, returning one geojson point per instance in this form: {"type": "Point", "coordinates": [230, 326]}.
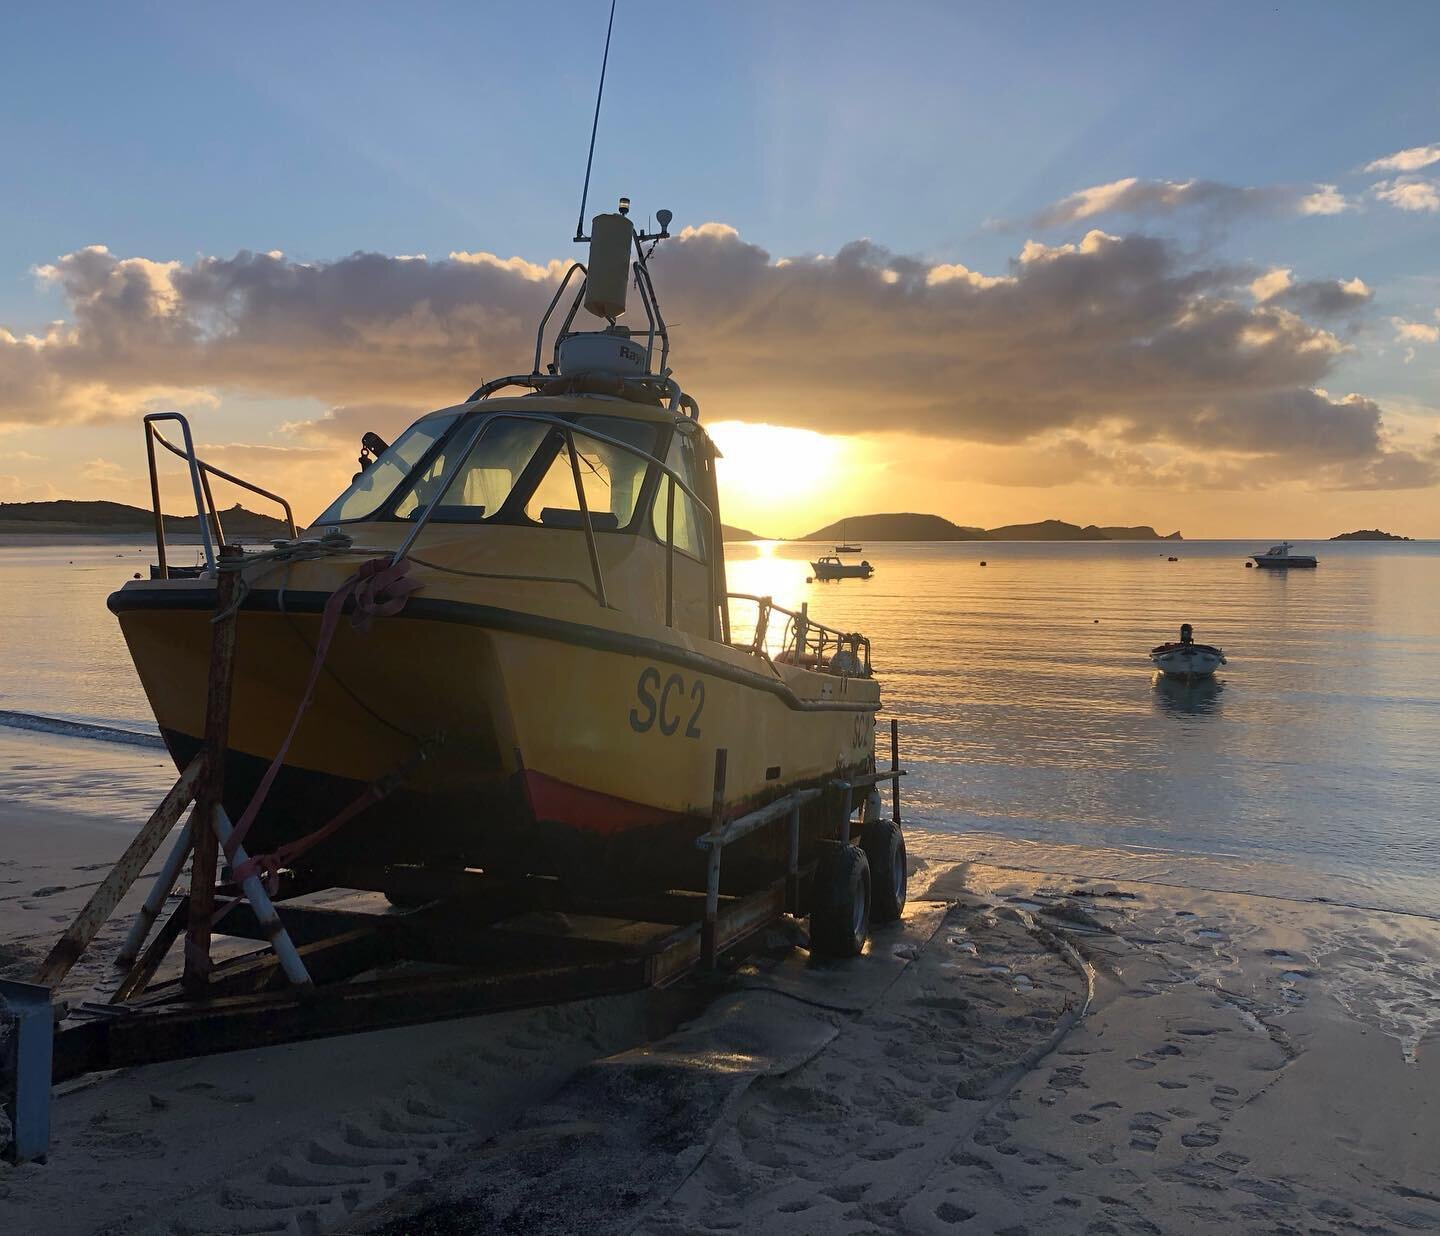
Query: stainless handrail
{"type": "Point", "coordinates": [555, 300]}
{"type": "Point", "coordinates": [151, 433]}
{"type": "Point", "coordinates": [568, 430]}
{"type": "Point", "coordinates": [652, 311]}
{"type": "Point", "coordinates": [206, 512]}
{"type": "Point", "coordinates": [212, 470]}
{"type": "Point", "coordinates": [658, 385]}
{"type": "Point", "coordinates": [804, 627]}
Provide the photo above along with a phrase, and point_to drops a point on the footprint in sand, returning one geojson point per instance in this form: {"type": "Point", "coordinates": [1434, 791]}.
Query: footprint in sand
{"type": "Point", "coordinates": [1144, 1135]}
{"type": "Point", "coordinates": [1224, 1098]}
{"type": "Point", "coordinates": [1204, 1135]}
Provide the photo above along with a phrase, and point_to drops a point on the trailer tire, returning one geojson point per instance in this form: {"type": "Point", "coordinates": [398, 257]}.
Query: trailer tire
{"type": "Point", "coordinates": [884, 844]}
{"type": "Point", "coordinates": [840, 905]}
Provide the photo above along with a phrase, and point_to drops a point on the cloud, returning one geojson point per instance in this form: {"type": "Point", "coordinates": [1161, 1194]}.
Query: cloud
{"type": "Point", "coordinates": [1411, 160]}
{"type": "Point", "coordinates": [1324, 200]}
{"type": "Point", "coordinates": [1317, 297]}
{"type": "Point", "coordinates": [1415, 332]}
{"type": "Point", "coordinates": [347, 424]}
{"type": "Point", "coordinates": [1409, 193]}
{"type": "Point", "coordinates": [1114, 338]}
{"type": "Point", "coordinates": [103, 472]}
{"type": "Point", "coordinates": [1142, 198]}
{"type": "Point", "coordinates": [13, 489]}
{"type": "Point", "coordinates": [948, 271]}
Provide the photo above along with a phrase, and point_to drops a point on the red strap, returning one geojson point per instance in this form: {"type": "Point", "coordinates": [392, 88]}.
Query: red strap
{"type": "Point", "coordinates": [380, 589]}
{"type": "Point", "coordinates": [270, 864]}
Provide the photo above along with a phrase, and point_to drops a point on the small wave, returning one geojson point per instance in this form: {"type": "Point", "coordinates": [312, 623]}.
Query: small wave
{"type": "Point", "coordinates": [79, 729]}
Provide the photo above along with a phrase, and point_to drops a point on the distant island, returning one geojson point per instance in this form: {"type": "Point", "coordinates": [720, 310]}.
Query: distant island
{"type": "Point", "coordinates": [1369, 534]}
{"type": "Point", "coordinates": [913, 527]}
{"type": "Point", "coordinates": [731, 533]}
{"type": "Point", "coordinates": [64, 517]}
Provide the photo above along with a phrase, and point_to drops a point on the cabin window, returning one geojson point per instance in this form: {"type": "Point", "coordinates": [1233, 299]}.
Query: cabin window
{"type": "Point", "coordinates": [610, 477]}
{"type": "Point", "coordinates": [372, 488]}
{"type": "Point", "coordinates": [689, 519]}
{"type": "Point", "coordinates": [486, 479]}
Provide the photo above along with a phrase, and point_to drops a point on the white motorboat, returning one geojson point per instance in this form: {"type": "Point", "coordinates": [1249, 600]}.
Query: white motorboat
{"type": "Point", "coordinates": [1185, 659]}
{"type": "Point", "coordinates": [829, 566]}
{"type": "Point", "coordinates": [1280, 556]}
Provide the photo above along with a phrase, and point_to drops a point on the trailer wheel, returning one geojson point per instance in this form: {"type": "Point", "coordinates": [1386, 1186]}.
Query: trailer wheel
{"type": "Point", "coordinates": [884, 846]}
{"type": "Point", "coordinates": [840, 906]}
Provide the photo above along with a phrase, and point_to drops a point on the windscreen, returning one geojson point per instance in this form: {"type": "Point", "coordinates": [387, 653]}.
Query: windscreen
{"type": "Point", "coordinates": [372, 488]}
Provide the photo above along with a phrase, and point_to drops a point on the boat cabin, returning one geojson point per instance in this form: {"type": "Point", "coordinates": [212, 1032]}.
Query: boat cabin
{"type": "Point", "coordinates": [611, 494]}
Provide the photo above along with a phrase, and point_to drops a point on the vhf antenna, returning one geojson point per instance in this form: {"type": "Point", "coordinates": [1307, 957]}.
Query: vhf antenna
{"type": "Point", "coordinates": [594, 128]}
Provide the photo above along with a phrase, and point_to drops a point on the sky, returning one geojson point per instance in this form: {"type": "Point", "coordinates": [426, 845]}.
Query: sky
{"type": "Point", "coordinates": [1114, 263]}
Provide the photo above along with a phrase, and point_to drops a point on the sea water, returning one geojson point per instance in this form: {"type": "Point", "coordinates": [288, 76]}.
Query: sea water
{"type": "Point", "coordinates": [1029, 714]}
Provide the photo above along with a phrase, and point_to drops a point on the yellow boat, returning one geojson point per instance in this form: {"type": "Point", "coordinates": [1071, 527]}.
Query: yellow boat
{"type": "Point", "coordinates": [551, 697]}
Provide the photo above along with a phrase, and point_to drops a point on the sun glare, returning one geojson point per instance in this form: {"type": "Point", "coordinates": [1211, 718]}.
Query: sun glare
{"type": "Point", "coordinates": [771, 477]}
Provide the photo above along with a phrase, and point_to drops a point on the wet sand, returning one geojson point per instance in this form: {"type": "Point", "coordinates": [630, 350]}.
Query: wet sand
{"type": "Point", "coordinates": [1027, 1053]}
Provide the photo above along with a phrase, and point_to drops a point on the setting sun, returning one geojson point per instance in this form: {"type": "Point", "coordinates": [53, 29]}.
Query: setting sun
{"type": "Point", "coordinates": [776, 477]}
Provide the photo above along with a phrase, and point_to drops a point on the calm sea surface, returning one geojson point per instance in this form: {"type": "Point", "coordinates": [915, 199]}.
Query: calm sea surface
{"type": "Point", "coordinates": [1028, 710]}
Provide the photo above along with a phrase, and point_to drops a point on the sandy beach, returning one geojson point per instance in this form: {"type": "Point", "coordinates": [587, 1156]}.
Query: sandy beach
{"type": "Point", "coordinates": [1027, 1052]}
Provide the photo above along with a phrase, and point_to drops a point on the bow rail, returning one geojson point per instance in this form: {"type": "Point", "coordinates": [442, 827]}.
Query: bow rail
{"type": "Point", "coordinates": [207, 514]}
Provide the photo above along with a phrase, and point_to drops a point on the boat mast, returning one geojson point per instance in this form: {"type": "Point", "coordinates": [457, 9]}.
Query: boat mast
{"type": "Point", "coordinates": [580, 236]}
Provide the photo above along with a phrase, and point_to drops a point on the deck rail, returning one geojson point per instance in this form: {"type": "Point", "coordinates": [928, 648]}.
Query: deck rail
{"type": "Point", "coordinates": [803, 641]}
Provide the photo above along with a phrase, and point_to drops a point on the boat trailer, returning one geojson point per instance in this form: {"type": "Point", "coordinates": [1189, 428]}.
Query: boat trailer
{"type": "Point", "coordinates": [453, 943]}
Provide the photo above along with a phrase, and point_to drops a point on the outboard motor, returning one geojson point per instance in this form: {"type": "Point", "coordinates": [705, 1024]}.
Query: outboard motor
{"type": "Point", "coordinates": [1187, 633]}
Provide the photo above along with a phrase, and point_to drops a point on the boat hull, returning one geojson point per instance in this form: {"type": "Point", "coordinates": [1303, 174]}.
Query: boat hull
{"type": "Point", "coordinates": [1187, 662]}
{"type": "Point", "coordinates": [554, 746]}
{"type": "Point", "coordinates": [843, 571]}
{"type": "Point", "coordinates": [1280, 564]}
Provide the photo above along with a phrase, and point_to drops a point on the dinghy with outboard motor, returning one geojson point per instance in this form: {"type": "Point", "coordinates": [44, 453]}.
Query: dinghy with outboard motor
{"type": "Point", "coordinates": [1185, 660]}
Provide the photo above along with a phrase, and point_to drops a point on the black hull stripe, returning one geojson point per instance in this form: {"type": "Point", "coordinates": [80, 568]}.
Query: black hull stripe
{"type": "Point", "coordinates": [493, 617]}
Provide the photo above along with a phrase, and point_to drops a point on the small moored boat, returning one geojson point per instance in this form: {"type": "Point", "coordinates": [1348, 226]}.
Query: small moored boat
{"type": "Point", "coordinates": [1185, 659]}
{"type": "Point", "coordinates": [829, 566]}
{"type": "Point", "coordinates": [1280, 556]}
{"type": "Point", "coordinates": [845, 547]}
